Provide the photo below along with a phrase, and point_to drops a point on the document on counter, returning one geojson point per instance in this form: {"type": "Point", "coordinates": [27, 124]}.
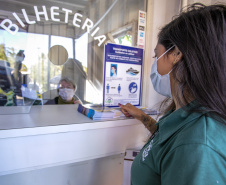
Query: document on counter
{"type": "Point", "coordinates": [98, 112]}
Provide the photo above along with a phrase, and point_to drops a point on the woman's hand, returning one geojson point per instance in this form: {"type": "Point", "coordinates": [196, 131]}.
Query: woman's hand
{"type": "Point", "coordinates": [131, 111]}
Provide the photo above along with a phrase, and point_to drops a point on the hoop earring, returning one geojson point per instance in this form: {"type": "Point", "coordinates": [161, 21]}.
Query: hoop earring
{"type": "Point", "coordinates": [174, 62]}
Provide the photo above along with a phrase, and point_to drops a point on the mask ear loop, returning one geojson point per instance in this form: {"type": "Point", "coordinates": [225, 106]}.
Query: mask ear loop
{"type": "Point", "coordinates": [166, 51]}
{"type": "Point", "coordinates": [164, 54]}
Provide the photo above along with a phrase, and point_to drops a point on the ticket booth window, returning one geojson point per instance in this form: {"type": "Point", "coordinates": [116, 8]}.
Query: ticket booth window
{"type": "Point", "coordinates": [62, 38]}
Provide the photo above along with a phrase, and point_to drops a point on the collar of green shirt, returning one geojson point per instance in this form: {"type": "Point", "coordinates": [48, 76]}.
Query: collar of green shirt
{"type": "Point", "coordinates": [172, 121]}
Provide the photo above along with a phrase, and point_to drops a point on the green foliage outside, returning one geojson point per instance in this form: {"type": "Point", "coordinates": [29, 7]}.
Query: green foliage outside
{"type": "Point", "coordinates": [7, 54]}
{"type": "Point", "coordinates": [127, 38]}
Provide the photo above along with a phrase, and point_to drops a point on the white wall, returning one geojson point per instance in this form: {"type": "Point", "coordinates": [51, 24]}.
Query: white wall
{"type": "Point", "coordinates": [159, 13]}
{"type": "Point", "coordinates": [101, 171]}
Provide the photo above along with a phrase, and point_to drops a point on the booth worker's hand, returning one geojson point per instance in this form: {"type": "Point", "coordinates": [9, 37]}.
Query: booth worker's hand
{"type": "Point", "coordinates": [77, 101]}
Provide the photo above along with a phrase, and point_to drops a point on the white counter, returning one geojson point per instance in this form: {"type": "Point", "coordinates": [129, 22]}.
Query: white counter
{"type": "Point", "coordinates": [54, 135]}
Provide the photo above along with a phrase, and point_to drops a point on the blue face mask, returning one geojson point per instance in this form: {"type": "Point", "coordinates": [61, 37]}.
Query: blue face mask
{"type": "Point", "coordinates": [112, 71]}
{"type": "Point", "coordinates": [161, 83]}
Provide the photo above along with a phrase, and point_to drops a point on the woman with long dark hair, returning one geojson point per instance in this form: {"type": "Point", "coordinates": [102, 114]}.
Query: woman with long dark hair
{"type": "Point", "coordinates": [187, 145]}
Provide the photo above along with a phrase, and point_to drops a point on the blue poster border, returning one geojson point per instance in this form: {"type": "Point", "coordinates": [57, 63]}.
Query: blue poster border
{"type": "Point", "coordinates": [108, 49]}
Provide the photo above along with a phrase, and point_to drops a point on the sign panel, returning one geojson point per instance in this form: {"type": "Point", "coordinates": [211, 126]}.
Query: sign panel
{"type": "Point", "coordinates": [141, 29]}
{"type": "Point", "coordinates": [122, 75]}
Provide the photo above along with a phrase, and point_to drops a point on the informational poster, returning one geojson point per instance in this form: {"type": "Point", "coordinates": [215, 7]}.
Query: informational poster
{"type": "Point", "coordinates": [141, 29]}
{"type": "Point", "coordinates": [122, 75]}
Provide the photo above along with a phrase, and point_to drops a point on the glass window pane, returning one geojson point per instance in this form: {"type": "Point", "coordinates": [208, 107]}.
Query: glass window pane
{"type": "Point", "coordinates": [63, 39]}
{"type": "Point", "coordinates": [81, 49]}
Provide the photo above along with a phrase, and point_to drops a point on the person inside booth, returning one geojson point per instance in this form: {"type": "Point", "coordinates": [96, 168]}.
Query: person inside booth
{"type": "Point", "coordinates": [66, 90]}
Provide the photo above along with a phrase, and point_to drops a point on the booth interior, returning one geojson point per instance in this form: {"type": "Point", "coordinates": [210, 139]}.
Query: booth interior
{"type": "Point", "coordinates": [52, 60]}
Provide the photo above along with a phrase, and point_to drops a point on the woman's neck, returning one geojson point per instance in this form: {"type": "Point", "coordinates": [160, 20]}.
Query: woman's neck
{"type": "Point", "coordinates": [182, 102]}
{"type": "Point", "coordinates": [180, 99]}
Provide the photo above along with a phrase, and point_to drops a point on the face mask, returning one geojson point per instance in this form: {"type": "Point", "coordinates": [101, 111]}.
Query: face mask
{"type": "Point", "coordinates": [112, 71]}
{"type": "Point", "coordinates": [161, 83]}
{"type": "Point", "coordinates": [66, 94]}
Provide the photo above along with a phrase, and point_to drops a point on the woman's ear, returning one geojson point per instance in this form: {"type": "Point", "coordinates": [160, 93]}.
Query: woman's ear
{"type": "Point", "coordinates": [177, 55]}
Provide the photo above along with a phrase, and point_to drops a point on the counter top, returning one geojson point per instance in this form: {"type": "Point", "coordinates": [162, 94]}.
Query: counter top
{"type": "Point", "coordinates": [55, 135]}
{"type": "Point", "coordinates": [41, 116]}
{"type": "Point", "coordinates": [49, 119]}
